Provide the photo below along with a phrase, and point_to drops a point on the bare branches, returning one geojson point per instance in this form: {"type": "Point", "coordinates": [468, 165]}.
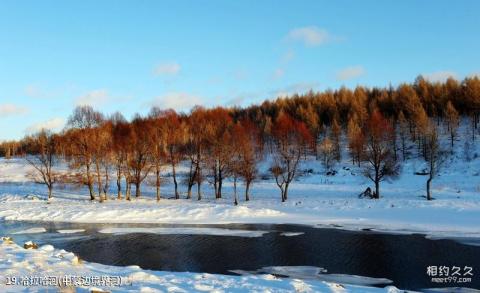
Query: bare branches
{"type": "Point", "coordinates": [380, 160]}
{"type": "Point", "coordinates": [43, 148]}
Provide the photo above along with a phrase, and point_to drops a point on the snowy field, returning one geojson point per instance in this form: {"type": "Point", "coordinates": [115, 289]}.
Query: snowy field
{"type": "Point", "coordinates": [314, 199]}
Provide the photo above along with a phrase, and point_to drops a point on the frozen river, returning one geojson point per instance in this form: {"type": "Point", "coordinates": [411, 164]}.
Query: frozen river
{"type": "Point", "coordinates": [285, 250]}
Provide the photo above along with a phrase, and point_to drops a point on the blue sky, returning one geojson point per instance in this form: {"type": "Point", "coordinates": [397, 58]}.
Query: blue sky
{"type": "Point", "coordinates": [130, 55]}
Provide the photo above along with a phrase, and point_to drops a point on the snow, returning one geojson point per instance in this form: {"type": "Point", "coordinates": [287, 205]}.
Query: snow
{"type": "Point", "coordinates": [47, 261]}
{"type": "Point", "coordinates": [189, 231]}
{"type": "Point", "coordinates": [309, 272]}
{"type": "Point", "coordinates": [31, 231]}
{"type": "Point", "coordinates": [291, 234]}
{"type": "Point", "coordinates": [314, 199]}
{"type": "Point", "coordinates": [70, 231]}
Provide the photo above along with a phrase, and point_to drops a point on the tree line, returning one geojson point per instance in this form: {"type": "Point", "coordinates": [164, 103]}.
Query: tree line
{"type": "Point", "coordinates": [377, 124]}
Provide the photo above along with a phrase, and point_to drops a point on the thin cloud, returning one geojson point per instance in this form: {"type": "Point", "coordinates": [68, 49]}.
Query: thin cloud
{"type": "Point", "coordinates": [439, 76]}
{"type": "Point", "coordinates": [287, 57]}
{"type": "Point", "coordinates": [240, 74]}
{"type": "Point", "coordinates": [94, 98]}
{"type": "Point", "coordinates": [177, 100]}
{"type": "Point", "coordinates": [236, 101]}
{"type": "Point", "coordinates": [310, 36]}
{"type": "Point", "coordinates": [351, 72]}
{"type": "Point", "coordinates": [12, 110]}
{"type": "Point", "coordinates": [278, 73]}
{"type": "Point", "coordinates": [296, 88]}
{"type": "Point", "coordinates": [33, 91]}
{"type": "Point", "coordinates": [167, 69]}
{"type": "Point", "coordinates": [54, 124]}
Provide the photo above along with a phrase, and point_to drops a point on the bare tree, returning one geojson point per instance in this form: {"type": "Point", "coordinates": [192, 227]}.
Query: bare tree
{"type": "Point", "coordinates": [121, 133]}
{"type": "Point", "coordinates": [434, 156]}
{"type": "Point", "coordinates": [176, 132]}
{"type": "Point", "coordinates": [292, 139]}
{"type": "Point", "coordinates": [102, 157]}
{"type": "Point", "coordinates": [219, 150]}
{"type": "Point", "coordinates": [246, 142]}
{"type": "Point", "coordinates": [328, 153]}
{"type": "Point", "coordinates": [43, 158]}
{"type": "Point", "coordinates": [199, 131]}
{"type": "Point", "coordinates": [380, 162]}
{"type": "Point", "coordinates": [80, 142]}
{"type": "Point", "coordinates": [138, 160]}
{"type": "Point", "coordinates": [158, 144]}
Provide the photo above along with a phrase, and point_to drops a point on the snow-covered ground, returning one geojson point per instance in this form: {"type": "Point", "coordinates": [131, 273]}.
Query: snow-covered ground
{"type": "Point", "coordinates": [15, 261]}
{"type": "Point", "coordinates": [314, 199]}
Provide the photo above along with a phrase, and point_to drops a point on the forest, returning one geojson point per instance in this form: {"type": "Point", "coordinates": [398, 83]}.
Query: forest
{"type": "Point", "coordinates": [218, 144]}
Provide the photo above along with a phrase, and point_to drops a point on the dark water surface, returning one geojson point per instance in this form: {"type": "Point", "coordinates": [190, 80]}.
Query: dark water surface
{"type": "Point", "coordinates": [401, 258]}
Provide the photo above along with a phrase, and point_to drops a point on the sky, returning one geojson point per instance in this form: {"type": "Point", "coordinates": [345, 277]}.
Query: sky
{"type": "Point", "coordinates": [128, 56]}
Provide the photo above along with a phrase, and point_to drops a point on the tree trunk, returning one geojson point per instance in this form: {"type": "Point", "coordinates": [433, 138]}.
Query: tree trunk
{"type": "Point", "coordinates": [106, 186]}
{"type": "Point", "coordinates": [285, 192]}
{"type": "Point", "coordinates": [199, 191]}
{"type": "Point", "coordinates": [189, 191]}
{"type": "Point", "coordinates": [247, 188]}
{"type": "Point", "coordinates": [99, 182]}
{"type": "Point", "coordinates": [137, 189]}
{"type": "Point", "coordinates": [157, 183]}
{"type": "Point", "coordinates": [282, 192]}
{"type": "Point", "coordinates": [174, 173]}
{"type": "Point", "coordinates": [215, 181]}
{"type": "Point", "coordinates": [377, 189]}
{"type": "Point", "coordinates": [50, 188]}
{"type": "Point", "coordinates": [235, 190]}
{"type": "Point", "coordinates": [220, 181]}
{"type": "Point", "coordinates": [429, 196]}
{"type": "Point", "coordinates": [198, 173]}
{"type": "Point", "coordinates": [128, 191]}
{"type": "Point", "coordinates": [90, 183]}
{"type": "Point", "coordinates": [191, 179]}
{"type": "Point", "coordinates": [119, 187]}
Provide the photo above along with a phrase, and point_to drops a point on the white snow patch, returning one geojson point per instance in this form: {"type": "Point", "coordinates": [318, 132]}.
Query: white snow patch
{"type": "Point", "coordinates": [186, 230]}
{"type": "Point", "coordinates": [291, 234]}
{"type": "Point", "coordinates": [31, 231]}
{"type": "Point", "coordinates": [70, 231]}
